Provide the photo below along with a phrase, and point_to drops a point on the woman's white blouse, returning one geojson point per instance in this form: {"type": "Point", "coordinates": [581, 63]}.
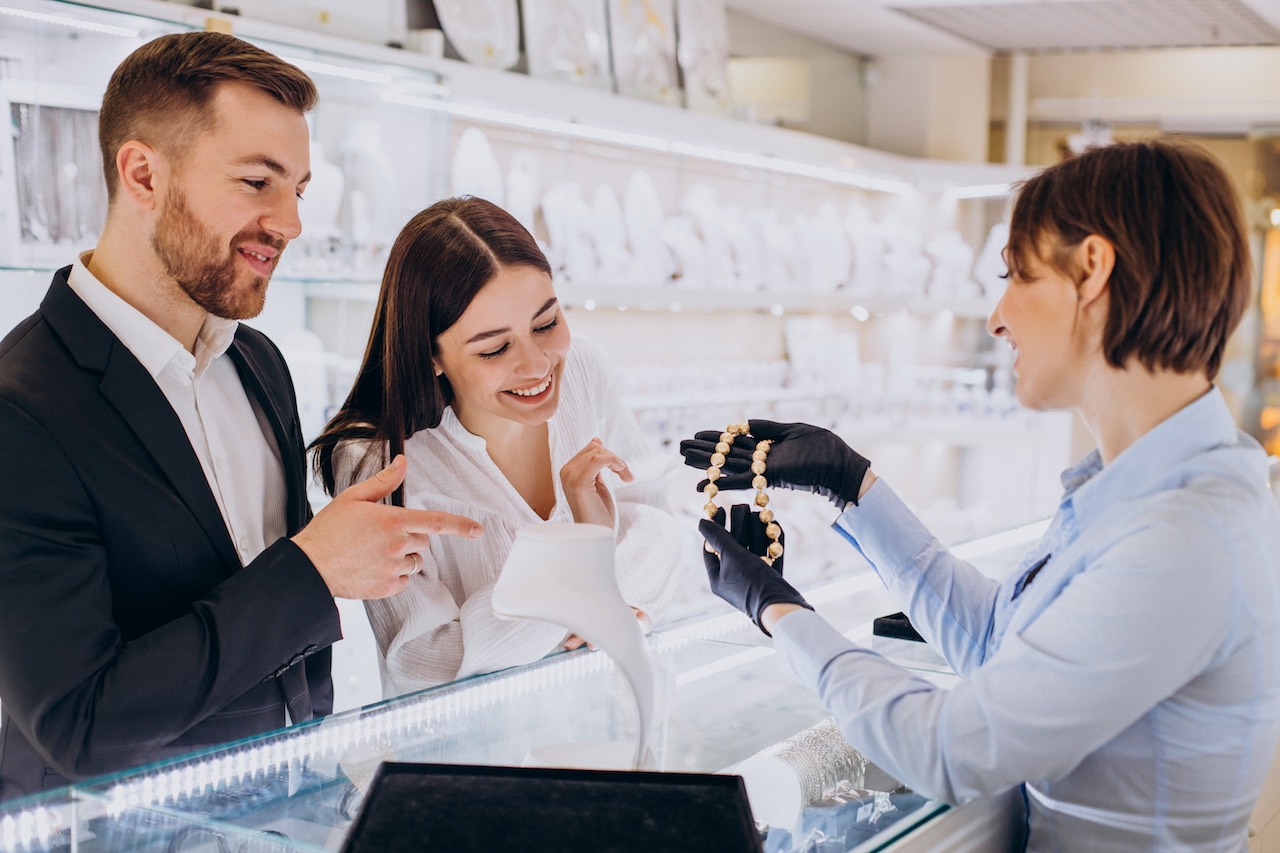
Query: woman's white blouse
{"type": "Point", "coordinates": [442, 626]}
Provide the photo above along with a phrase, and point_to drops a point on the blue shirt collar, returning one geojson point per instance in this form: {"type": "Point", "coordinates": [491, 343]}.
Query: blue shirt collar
{"type": "Point", "coordinates": [1093, 488]}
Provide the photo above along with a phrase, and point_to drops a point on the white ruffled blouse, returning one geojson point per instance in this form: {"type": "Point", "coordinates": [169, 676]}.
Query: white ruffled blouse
{"type": "Point", "coordinates": [442, 627]}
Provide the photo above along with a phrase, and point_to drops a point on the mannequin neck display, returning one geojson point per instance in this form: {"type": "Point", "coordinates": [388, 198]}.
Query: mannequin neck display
{"type": "Point", "coordinates": [324, 196]}
{"type": "Point", "coordinates": [372, 191]}
{"type": "Point", "coordinates": [563, 573]}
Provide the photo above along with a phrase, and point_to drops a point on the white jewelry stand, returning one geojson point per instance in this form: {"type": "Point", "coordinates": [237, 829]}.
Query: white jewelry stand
{"type": "Point", "coordinates": [563, 573]}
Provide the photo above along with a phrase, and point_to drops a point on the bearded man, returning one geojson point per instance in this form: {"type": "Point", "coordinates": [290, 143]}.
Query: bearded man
{"type": "Point", "coordinates": [163, 585]}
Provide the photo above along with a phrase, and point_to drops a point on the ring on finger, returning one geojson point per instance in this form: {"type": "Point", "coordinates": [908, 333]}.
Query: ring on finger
{"type": "Point", "coordinates": [417, 563]}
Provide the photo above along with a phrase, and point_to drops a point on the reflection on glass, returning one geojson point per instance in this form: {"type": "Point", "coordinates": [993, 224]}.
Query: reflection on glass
{"type": "Point", "coordinates": [61, 193]}
{"type": "Point", "coordinates": [568, 40]}
{"type": "Point", "coordinates": [704, 53]}
{"type": "Point", "coordinates": [486, 32]}
{"type": "Point", "coordinates": [643, 35]}
{"type": "Point", "coordinates": [201, 839]}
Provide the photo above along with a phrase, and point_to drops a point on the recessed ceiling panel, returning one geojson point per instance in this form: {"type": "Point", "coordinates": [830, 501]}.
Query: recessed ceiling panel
{"type": "Point", "coordinates": [1069, 25]}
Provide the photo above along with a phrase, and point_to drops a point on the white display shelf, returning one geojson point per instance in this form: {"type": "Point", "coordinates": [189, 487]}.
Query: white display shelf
{"type": "Point", "coordinates": [674, 298]}
{"type": "Point", "coordinates": [962, 432]}
{"type": "Point", "coordinates": [493, 96]}
{"type": "Point", "coordinates": [770, 165]}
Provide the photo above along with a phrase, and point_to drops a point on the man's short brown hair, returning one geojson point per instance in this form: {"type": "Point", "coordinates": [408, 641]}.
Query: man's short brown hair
{"type": "Point", "coordinates": [1182, 273]}
{"type": "Point", "coordinates": [161, 92]}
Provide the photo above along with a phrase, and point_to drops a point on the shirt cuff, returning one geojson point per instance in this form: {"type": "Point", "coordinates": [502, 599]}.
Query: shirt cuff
{"type": "Point", "coordinates": [883, 529]}
{"type": "Point", "coordinates": [806, 643]}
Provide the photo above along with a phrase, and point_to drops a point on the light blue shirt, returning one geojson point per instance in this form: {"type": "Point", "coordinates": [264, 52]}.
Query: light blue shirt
{"type": "Point", "coordinates": [1133, 685]}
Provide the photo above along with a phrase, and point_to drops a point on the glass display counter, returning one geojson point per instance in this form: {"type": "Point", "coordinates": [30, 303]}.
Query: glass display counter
{"type": "Point", "coordinates": [725, 698]}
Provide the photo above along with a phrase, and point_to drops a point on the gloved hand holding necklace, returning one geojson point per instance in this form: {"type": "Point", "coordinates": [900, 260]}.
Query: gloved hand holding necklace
{"type": "Point", "coordinates": [803, 457]}
{"type": "Point", "coordinates": [736, 570]}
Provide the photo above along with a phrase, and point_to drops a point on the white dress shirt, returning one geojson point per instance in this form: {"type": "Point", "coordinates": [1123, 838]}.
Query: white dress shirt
{"type": "Point", "coordinates": [230, 435]}
{"type": "Point", "coordinates": [442, 626]}
{"type": "Point", "coordinates": [1132, 684]}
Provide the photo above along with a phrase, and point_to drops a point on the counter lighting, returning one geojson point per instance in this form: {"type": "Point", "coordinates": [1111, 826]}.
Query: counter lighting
{"type": "Point", "coordinates": [977, 191]}
{"type": "Point", "coordinates": [311, 66]}
{"type": "Point", "coordinates": [646, 142]}
{"type": "Point", "coordinates": [73, 23]}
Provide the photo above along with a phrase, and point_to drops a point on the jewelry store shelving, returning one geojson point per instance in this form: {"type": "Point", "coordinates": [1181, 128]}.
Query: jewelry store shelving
{"type": "Point", "coordinates": [451, 93]}
{"type": "Point", "coordinates": [675, 299]}
{"type": "Point", "coordinates": [423, 106]}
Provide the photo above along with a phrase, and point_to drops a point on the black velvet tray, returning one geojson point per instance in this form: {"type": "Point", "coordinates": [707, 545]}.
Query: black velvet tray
{"type": "Point", "coordinates": [416, 807]}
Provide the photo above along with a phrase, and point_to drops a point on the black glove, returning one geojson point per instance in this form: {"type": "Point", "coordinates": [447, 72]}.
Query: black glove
{"type": "Point", "coordinates": [803, 457]}
{"type": "Point", "coordinates": [736, 572]}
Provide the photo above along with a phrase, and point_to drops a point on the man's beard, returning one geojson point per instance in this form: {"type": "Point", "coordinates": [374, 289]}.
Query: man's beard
{"type": "Point", "coordinates": [188, 252]}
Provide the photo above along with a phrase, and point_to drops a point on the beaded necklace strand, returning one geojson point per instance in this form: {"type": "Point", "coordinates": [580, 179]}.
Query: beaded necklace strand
{"type": "Point", "coordinates": [759, 458]}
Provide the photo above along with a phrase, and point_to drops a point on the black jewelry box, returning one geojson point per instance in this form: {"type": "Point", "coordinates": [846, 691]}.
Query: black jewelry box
{"type": "Point", "coordinates": [897, 639]}
{"type": "Point", "coordinates": [895, 625]}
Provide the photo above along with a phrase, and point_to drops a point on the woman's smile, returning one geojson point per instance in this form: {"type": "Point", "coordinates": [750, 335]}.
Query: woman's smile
{"type": "Point", "coordinates": [534, 393]}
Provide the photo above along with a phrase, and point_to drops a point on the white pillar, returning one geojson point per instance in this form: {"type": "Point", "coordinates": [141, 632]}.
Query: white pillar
{"type": "Point", "coordinates": [1015, 128]}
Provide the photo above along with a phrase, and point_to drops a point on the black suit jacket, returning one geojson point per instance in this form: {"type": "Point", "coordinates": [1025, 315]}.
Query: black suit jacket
{"type": "Point", "coordinates": [128, 630]}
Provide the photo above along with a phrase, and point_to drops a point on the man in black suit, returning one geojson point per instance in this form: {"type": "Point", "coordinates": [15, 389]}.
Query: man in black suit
{"type": "Point", "coordinates": [163, 586]}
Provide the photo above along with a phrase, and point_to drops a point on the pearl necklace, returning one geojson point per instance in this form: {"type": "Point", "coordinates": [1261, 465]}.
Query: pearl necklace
{"type": "Point", "coordinates": [758, 482]}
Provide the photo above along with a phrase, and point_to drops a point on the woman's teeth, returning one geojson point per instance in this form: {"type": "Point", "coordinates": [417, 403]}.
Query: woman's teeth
{"type": "Point", "coordinates": [533, 392]}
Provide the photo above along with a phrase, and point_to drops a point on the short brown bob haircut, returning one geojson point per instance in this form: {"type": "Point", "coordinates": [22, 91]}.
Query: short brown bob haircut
{"type": "Point", "coordinates": [161, 92]}
{"type": "Point", "coordinates": [1182, 272]}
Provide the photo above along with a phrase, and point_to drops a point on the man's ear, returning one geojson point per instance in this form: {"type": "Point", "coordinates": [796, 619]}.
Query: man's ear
{"type": "Point", "coordinates": [1095, 259]}
{"type": "Point", "coordinates": [139, 167]}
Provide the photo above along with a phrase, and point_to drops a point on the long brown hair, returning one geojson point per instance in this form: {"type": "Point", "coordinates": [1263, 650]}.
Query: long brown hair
{"type": "Point", "coordinates": [438, 263]}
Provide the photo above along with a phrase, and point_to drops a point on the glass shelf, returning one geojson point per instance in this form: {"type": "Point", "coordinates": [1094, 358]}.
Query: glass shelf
{"type": "Point", "coordinates": [672, 298]}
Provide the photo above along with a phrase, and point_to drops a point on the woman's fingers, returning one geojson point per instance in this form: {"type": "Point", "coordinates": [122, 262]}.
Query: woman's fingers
{"type": "Point", "coordinates": [582, 470]}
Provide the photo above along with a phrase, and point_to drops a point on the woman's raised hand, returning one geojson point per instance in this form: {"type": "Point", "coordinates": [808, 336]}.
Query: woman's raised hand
{"type": "Point", "coordinates": [584, 487]}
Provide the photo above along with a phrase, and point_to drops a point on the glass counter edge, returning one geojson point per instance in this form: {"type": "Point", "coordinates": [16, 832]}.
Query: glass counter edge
{"type": "Point", "coordinates": [151, 785]}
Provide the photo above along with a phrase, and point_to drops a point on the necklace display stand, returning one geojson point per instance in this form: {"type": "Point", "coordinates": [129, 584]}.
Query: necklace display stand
{"type": "Point", "coordinates": [563, 573]}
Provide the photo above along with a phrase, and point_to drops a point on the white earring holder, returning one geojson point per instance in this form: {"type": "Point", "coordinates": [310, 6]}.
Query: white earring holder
{"type": "Point", "coordinates": [562, 572]}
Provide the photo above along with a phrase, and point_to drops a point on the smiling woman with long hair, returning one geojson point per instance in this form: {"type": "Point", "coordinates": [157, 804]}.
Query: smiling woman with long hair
{"type": "Point", "coordinates": [470, 371]}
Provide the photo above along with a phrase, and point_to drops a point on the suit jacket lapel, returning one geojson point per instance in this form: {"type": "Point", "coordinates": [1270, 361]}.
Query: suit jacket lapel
{"type": "Point", "coordinates": [128, 387]}
{"type": "Point", "coordinates": [256, 376]}
{"type": "Point", "coordinates": [256, 380]}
